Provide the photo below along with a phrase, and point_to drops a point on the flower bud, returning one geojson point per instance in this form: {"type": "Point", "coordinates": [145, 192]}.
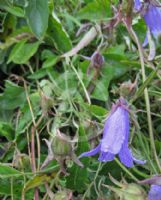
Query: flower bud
{"type": "Point", "coordinates": [133, 192]}
{"type": "Point", "coordinates": [127, 191]}
{"type": "Point", "coordinates": [97, 60]}
{"type": "Point", "coordinates": [61, 146]}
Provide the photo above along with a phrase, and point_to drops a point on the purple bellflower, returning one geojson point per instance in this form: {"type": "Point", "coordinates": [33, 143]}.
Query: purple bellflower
{"type": "Point", "coordinates": [152, 18]}
{"type": "Point", "coordinates": [154, 192]}
{"type": "Point", "coordinates": [115, 137]}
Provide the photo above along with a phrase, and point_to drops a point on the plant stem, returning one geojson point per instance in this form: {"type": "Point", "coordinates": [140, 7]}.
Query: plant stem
{"type": "Point", "coordinates": [89, 187]}
{"type": "Point", "coordinates": [82, 84]}
{"type": "Point", "coordinates": [126, 170]}
{"type": "Point", "coordinates": [146, 95]}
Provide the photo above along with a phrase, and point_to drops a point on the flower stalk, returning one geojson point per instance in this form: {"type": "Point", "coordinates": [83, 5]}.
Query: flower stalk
{"type": "Point", "coordinates": [146, 95]}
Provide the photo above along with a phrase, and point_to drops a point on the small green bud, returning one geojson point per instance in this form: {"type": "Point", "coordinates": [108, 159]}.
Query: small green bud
{"type": "Point", "coordinates": [127, 191]}
{"type": "Point", "coordinates": [61, 146]}
{"type": "Point", "coordinates": [133, 192]}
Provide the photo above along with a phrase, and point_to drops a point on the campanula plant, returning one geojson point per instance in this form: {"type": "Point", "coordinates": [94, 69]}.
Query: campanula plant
{"type": "Point", "coordinates": [115, 137]}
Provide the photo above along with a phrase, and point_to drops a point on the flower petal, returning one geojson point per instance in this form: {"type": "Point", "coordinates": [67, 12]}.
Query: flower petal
{"type": "Point", "coordinates": [126, 156]}
{"type": "Point", "coordinates": [152, 18]}
{"type": "Point", "coordinates": [115, 130]}
{"type": "Point", "coordinates": [137, 5]}
{"type": "Point", "coordinates": [140, 162]}
{"type": "Point", "coordinates": [106, 156]}
{"type": "Point", "coordinates": [154, 193]}
{"type": "Point", "coordinates": [91, 153]}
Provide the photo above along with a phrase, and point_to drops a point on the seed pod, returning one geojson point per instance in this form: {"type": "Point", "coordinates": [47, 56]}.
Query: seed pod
{"type": "Point", "coordinates": [133, 192]}
{"type": "Point", "coordinates": [61, 145]}
{"type": "Point", "coordinates": [127, 191]}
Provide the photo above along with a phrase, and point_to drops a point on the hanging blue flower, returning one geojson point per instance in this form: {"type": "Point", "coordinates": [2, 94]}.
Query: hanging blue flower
{"type": "Point", "coordinates": [115, 137]}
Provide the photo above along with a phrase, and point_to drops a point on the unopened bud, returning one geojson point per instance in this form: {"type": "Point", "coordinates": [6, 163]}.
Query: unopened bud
{"type": "Point", "coordinates": [97, 60]}
{"type": "Point", "coordinates": [61, 146]}
{"type": "Point", "coordinates": [133, 192]}
{"type": "Point", "coordinates": [127, 191]}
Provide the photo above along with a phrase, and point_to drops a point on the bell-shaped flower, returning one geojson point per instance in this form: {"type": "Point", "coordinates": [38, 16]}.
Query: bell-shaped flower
{"type": "Point", "coordinates": [154, 192]}
{"type": "Point", "coordinates": [115, 137]}
{"type": "Point", "coordinates": [152, 17]}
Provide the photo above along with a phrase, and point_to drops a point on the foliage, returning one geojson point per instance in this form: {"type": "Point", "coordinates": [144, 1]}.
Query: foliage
{"type": "Point", "coordinates": [50, 85]}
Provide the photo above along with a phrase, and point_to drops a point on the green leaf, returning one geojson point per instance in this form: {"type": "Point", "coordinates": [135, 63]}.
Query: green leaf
{"type": "Point", "coordinates": [13, 96]}
{"type": "Point", "coordinates": [97, 110]}
{"type": "Point", "coordinates": [6, 171]}
{"type": "Point", "coordinates": [58, 35]}
{"type": "Point", "coordinates": [114, 65]}
{"type": "Point", "coordinates": [101, 90]}
{"type": "Point", "coordinates": [38, 74]}
{"type": "Point", "coordinates": [5, 188]}
{"type": "Point", "coordinates": [79, 176]}
{"type": "Point", "coordinates": [118, 50]}
{"type": "Point", "coordinates": [14, 10]}
{"type": "Point", "coordinates": [96, 10]}
{"type": "Point", "coordinates": [20, 2]}
{"type": "Point", "coordinates": [50, 61]}
{"type": "Point", "coordinates": [36, 181]}
{"type": "Point", "coordinates": [6, 130]}
{"type": "Point", "coordinates": [37, 14]}
{"type": "Point", "coordinates": [23, 51]}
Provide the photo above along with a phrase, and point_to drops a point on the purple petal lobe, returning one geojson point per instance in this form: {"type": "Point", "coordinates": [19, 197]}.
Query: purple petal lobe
{"type": "Point", "coordinates": [105, 156]}
{"type": "Point", "coordinates": [126, 156]}
{"type": "Point", "coordinates": [152, 18]}
{"type": "Point", "coordinates": [137, 5]}
{"type": "Point", "coordinates": [140, 162]}
{"type": "Point", "coordinates": [116, 131]}
{"type": "Point", "coordinates": [91, 153]}
{"type": "Point", "coordinates": [154, 192]}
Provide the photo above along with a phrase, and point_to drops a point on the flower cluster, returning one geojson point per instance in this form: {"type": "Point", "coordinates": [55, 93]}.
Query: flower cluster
{"type": "Point", "coordinates": [115, 137]}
